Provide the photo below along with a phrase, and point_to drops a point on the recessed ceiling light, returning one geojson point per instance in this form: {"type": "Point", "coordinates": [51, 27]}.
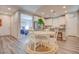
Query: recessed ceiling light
{"type": "Point", "coordinates": [64, 7]}
{"type": "Point", "coordinates": [66, 11]}
{"type": "Point", "coordinates": [9, 8]}
{"type": "Point", "coordinates": [51, 10]}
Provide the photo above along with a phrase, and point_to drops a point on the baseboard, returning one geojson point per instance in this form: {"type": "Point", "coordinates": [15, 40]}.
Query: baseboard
{"type": "Point", "coordinates": [72, 36]}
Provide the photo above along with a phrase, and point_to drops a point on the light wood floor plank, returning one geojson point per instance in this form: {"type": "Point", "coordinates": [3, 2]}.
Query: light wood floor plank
{"type": "Point", "coordinates": [10, 45]}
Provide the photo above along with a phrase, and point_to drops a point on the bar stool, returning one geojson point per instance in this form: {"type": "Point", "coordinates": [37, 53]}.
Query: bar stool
{"type": "Point", "coordinates": [60, 36]}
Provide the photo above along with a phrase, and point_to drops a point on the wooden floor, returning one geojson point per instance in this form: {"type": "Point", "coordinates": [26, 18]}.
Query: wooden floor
{"type": "Point", "coordinates": [10, 45]}
{"type": "Point", "coordinates": [70, 46]}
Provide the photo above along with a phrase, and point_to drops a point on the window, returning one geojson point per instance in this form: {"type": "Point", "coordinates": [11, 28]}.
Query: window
{"type": "Point", "coordinates": [26, 21]}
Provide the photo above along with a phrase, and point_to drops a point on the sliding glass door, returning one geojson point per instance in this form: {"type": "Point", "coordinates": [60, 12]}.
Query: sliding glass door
{"type": "Point", "coordinates": [26, 24]}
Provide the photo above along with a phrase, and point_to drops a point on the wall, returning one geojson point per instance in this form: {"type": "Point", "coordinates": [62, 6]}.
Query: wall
{"type": "Point", "coordinates": [5, 29]}
{"type": "Point", "coordinates": [59, 21]}
{"type": "Point", "coordinates": [49, 22]}
{"type": "Point", "coordinates": [78, 23]}
{"type": "Point", "coordinates": [71, 22]}
{"type": "Point", "coordinates": [15, 24]}
{"type": "Point", "coordinates": [71, 25]}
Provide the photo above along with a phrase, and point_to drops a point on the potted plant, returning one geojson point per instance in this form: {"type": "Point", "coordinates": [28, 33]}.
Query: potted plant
{"type": "Point", "coordinates": [41, 23]}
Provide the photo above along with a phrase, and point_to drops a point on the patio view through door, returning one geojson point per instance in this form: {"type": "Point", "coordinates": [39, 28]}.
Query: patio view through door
{"type": "Point", "coordinates": [26, 24]}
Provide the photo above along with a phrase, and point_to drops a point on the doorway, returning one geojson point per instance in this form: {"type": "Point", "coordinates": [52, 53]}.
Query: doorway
{"type": "Point", "coordinates": [26, 24]}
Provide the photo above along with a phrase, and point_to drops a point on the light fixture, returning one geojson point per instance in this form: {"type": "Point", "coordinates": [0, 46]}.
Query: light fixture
{"type": "Point", "coordinates": [51, 10]}
{"type": "Point", "coordinates": [9, 8]}
{"type": "Point", "coordinates": [64, 7]}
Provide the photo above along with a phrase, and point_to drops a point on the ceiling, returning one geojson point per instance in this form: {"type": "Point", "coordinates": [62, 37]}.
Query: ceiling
{"type": "Point", "coordinates": [9, 10]}
{"type": "Point", "coordinates": [57, 10]}
{"type": "Point", "coordinates": [41, 10]}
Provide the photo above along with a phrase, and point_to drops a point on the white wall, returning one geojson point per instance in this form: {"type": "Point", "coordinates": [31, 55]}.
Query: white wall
{"type": "Point", "coordinates": [59, 21]}
{"type": "Point", "coordinates": [15, 24]}
{"type": "Point", "coordinates": [49, 22]}
{"type": "Point", "coordinates": [71, 22]}
{"type": "Point", "coordinates": [71, 25]}
{"type": "Point", "coordinates": [78, 23]}
{"type": "Point", "coordinates": [5, 28]}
